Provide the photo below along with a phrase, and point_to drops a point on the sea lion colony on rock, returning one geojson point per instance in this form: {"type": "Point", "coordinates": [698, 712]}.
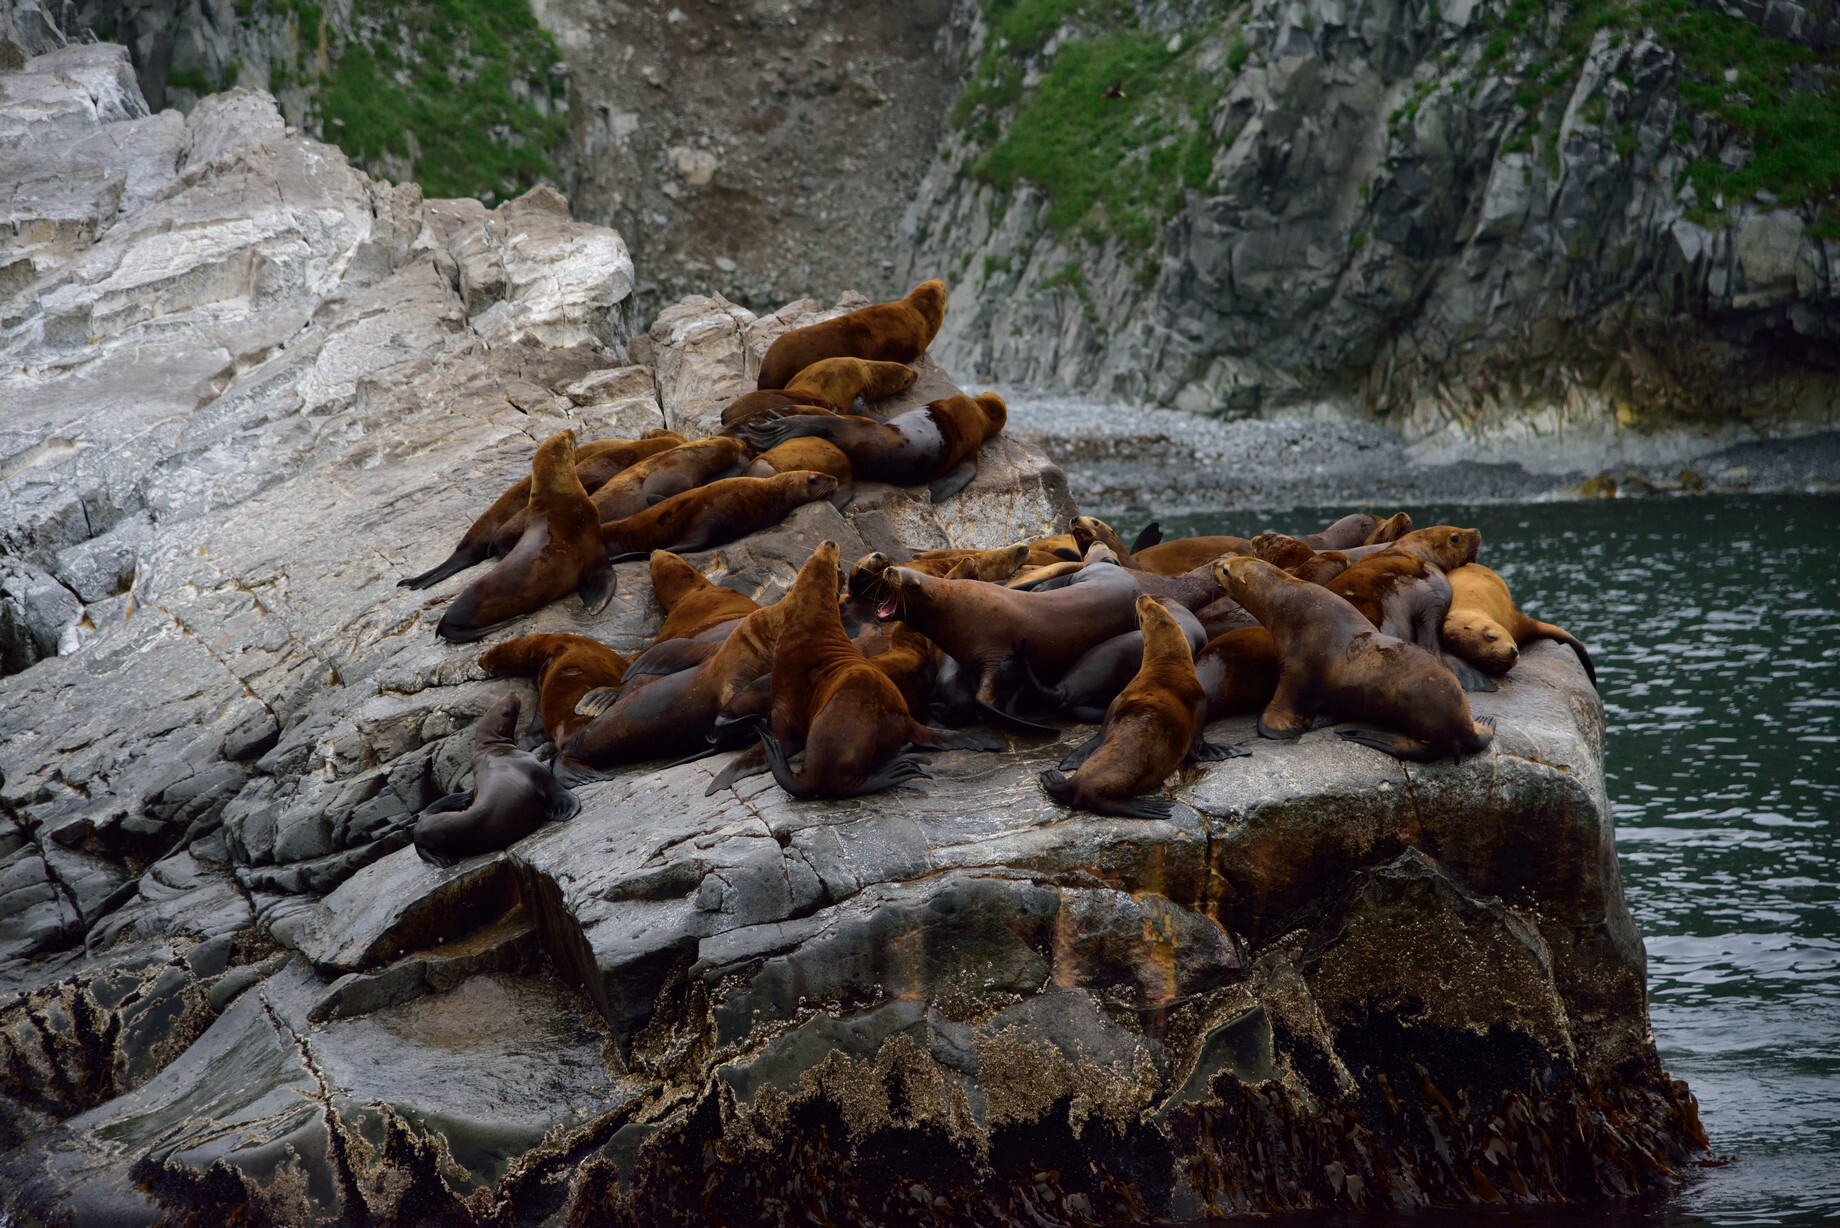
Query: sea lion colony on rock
{"type": "Point", "coordinates": [833, 688]}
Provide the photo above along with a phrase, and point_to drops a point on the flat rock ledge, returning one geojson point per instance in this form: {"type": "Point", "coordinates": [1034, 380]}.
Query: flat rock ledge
{"type": "Point", "coordinates": [257, 388]}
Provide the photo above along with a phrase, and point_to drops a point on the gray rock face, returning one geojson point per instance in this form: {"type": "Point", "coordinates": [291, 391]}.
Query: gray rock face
{"type": "Point", "coordinates": [234, 991]}
{"type": "Point", "coordinates": [1372, 242]}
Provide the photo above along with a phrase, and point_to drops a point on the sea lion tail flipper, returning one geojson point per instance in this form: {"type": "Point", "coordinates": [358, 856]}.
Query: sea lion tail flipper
{"type": "Point", "coordinates": [750, 762]}
{"type": "Point", "coordinates": [1143, 808]}
{"type": "Point", "coordinates": [563, 806]}
{"type": "Point", "coordinates": [1057, 786]}
{"type": "Point", "coordinates": [1205, 751]}
{"type": "Point", "coordinates": [451, 803]}
{"type": "Point", "coordinates": [1081, 753]}
{"type": "Point", "coordinates": [954, 479]}
{"type": "Point", "coordinates": [782, 770]}
{"type": "Point", "coordinates": [573, 773]}
{"type": "Point", "coordinates": [597, 701]}
{"type": "Point", "coordinates": [453, 565]}
{"type": "Point", "coordinates": [901, 770]}
{"type": "Point", "coordinates": [596, 586]}
{"type": "Point", "coordinates": [1395, 744]}
{"type": "Point", "coordinates": [1151, 535]}
{"type": "Point", "coordinates": [768, 431]}
{"type": "Point", "coordinates": [953, 739]}
{"type": "Point", "coordinates": [1471, 678]}
{"type": "Point", "coordinates": [438, 860]}
{"type": "Point", "coordinates": [1566, 637]}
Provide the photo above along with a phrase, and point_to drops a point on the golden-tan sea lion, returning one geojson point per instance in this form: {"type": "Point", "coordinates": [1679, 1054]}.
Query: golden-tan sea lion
{"type": "Point", "coordinates": [657, 478]}
{"type": "Point", "coordinates": [1485, 628]}
{"type": "Point", "coordinates": [813, 456]}
{"type": "Point", "coordinates": [566, 668]}
{"type": "Point", "coordinates": [1172, 558]}
{"type": "Point", "coordinates": [936, 444]}
{"type": "Point", "coordinates": [692, 603]}
{"type": "Point", "coordinates": [513, 794]}
{"type": "Point", "coordinates": [1157, 721]}
{"type": "Point", "coordinates": [559, 553]}
{"type": "Point", "coordinates": [715, 514]}
{"type": "Point", "coordinates": [832, 385]}
{"type": "Point", "coordinates": [887, 332]}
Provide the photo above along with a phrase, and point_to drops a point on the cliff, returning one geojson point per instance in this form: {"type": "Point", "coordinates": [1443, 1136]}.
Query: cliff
{"type": "Point", "coordinates": [258, 387]}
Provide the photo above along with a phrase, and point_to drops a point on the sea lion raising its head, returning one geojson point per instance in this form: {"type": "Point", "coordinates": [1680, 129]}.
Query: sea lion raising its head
{"type": "Point", "coordinates": [1486, 628]}
{"type": "Point", "coordinates": [887, 332]}
{"type": "Point", "coordinates": [935, 444]}
{"type": "Point", "coordinates": [559, 553]}
{"type": "Point", "coordinates": [1334, 662]}
{"type": "Point", "coordinates": [1402, 591]}
{"type": "Point", "coordinates": [1156, 722]}
{"type": "Point", "coordinates": [566, 668]}
{"type": "Point", "coordinates": [513, 795]}
{"type": "Point", "coordinates": [692, 603]}
{"type": "Point", "coordinates": [715, 514]}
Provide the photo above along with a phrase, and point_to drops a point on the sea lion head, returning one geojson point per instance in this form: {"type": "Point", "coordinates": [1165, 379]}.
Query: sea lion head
{"type": "Point", "coordinates": [865, 578]}
{"type": "Point", "coordinates": [553, 467]}
{"type": "Point", "coordinates": [1444, 546]}
{"type": "Point", "coordinates": [1482, 641]}
{"type": "Point", "coordinates": [1281, 551]}
{"type": "Point", "coordinates": [899, 586]}
{"type": "Point", "coordinates": [499, 725]}
{"type": "Point", "coordinates": [1250, 581]}
{"type": "Point", "coordinates": [992, 566]}
{"type": "Point", "coordinates": [806, 485]}
{"type": "Point", "coordinates": [929, 299]}
{"type": "Point", "coordinates": [1089, 529]}
{"type": "Point", "coordinates": [996, 413]}
{"type": "Point", "coordinates": [1391, 529]}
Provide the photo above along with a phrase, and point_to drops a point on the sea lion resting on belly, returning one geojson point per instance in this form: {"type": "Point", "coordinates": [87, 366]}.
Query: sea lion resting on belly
{"type": "Point", "coordinates": [1098, 677]}
{"type": "Point", "coordinates": [657, 478]}
{"type": "Point", "coordinates": [1239, 671]}
{"type": "Point", "coordinates": [935, 444]}
{"type": "Point", "coordinates": [595, 464]}
{"type": "Point", "coordinates": [566, 668]}
{"type": "Point", "coordinates": [812, 456]}
{"type": "Point", "coordinates": [715, 514]}
{"type": "Point", "coordinates": [1403, 591]}
{"type": "Point", "coordinates": [558, 554]}
{"type": "Point", "coordinates": [1334, 662]}
{"type": "Point", "coordinates": [513, 794]}
{"type": "Point", "coordinates": [1156, 722]}
{"type": "Point", "coordinates": [1485, 628]}
{"type": "Point", "coordinates": [692, 603]}
{"type": "Point", "coordinates": [830, 386]}
{"type": "Point", "coordinates": [887, 332]}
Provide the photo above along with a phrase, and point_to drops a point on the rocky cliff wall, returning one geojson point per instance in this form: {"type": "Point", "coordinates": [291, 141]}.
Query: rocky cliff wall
{"type": "Point", "coordinates": [1556, 234]}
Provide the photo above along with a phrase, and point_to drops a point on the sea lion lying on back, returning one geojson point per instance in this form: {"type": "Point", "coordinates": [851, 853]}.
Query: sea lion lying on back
{"type": "Point", "coordinates": [935, 444]}
{"type": "Point", "coordinates": [566, 668]}
{"type": "Point", "coordinates": [513, 794]}
{"type": "Point", "coordinates": [887, 332]}
{"type": "Point", "coordinates": [1335, 663]}
{"type": "Point", "coordinates": [715, 514]}
{"type": "Point", "coordinates": [595, 464]}
{"type": "Point", "coordinates": [1156, 722]}
{"type": "Point", "coordinates": [831, 386]}
{"type": "Point", "coordinates": [1485, 628]}
{"type": "Point", "coordinates": [560, 553]}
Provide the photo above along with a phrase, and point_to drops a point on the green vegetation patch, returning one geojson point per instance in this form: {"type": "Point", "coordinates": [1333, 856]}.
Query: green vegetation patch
{"type": "Point", "coordinates": [1114, 128]}
{"type": "Point", "coordinates": [464, 90]}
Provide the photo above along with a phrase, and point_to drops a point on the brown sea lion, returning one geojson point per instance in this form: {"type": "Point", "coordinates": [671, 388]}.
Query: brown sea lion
{"type": "Point", "coordinates": [1351, 530]}
{"type": "Point", "coordinates": [1158, 720]}
{"type": "Point", "coordinates": [1406, 597]}
{"type": "Point", "coordinates": [513, 794]}
{"type": "Point", "coordinates": [1334, 663]}
{"type": "Point", "coordinates": [887, 332]}
{"type": "Point", "coordinates": [566, 668]}
{"type": "Point", "coordinates": [828, 386]}
{"type": "Point", "coordinates": [1097, 677]}
{"type": "Point", "coordinates": [934, 444]}
{"type": "Point", "coordinates": [595, 464]}
{"type": "Point", "coordinates": [849, 717]}
{"type": "Point", "coordinates": [1391, 529]}
{"type": "Point", "coordinates": [1486, 629]}
{"type": "Point", "coordinates": [1282, 551]}
{"type": "Point", "coordinates": [657, 478]}
{"type": "Point", "coordinates": [1090, 529]}
{"type": "Point", "coordinates": [1321, 568]}
{"type": "Point", "coordinates": [672, 715]}
{"type": "Point", "coordinates": [715, 514]}
{"type": "Point", "coordinates": [692, 603]}
{"type": "Point", "coordinates": [813, 456]}
{"type": "Point", "coordinates": [1034, 576]}
{"type": "Point", "coordinates": [1239, 671]}
{"type": "Point", "coordinates": [1172, 558]}
{"type": "Point", "coordinates": [1056, 548]}
{"type": "Point", "coordinates": [558, 554]}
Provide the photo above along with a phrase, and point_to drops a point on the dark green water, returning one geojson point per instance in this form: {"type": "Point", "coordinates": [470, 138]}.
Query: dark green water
{"type": "Point", "coordinates": [1715, 625]}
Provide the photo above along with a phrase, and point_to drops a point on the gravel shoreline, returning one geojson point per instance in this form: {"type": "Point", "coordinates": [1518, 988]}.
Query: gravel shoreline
{"type": "Point", "coordinates": [1136, 459]}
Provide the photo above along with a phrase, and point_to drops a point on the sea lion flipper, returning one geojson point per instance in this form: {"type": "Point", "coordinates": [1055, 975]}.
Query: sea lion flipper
{"type": "Point", "coordinates": [1081, 753]}
{"type": "Point", "coordinates": [953, 739]}
{"type": "Point", "coordinates": [452, 802]}
{"type": "Point", "coordinates": [596, 586]}
{"type": "Point", "coordinates": [954, 479]}
{"type": "Point", "coordinates": [1395, 744]}
{"type": "Point", "coordinates": [1471, 678]}
{"type": "Point", "coordinates": [563, 806]}
{"type": "Point", "coordinates": [1287, 715]}
{"type": "Point", "coordinates": [597, 701]}
{"type": "Point", "coordinates": [453, 565]}
{"type": "Point", "coordinates": [750, 762]}
{"type": "Point", "coordinates": [439, 860]}
{"type": "Point", "coordinates": [1142, 808]}
{"type": "Point", "coordinates": [1151, 535]}
{"type": "Point", "coordinates": [1205, 751]}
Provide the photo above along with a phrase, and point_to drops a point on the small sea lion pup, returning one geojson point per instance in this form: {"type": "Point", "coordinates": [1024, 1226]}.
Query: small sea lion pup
{"type": "Point", "coordinates": [566, 668]}
{"type": "Point", "coordinates": [1156, 722]}
{"type": "Point", "coordinates": [595, 464]}
{"type": "Point", "coordinates": [513, 795]}
{"type": "Point", "coordinates": [832, 385]}
{"type": "Point", "coordinates": [935, 444]}
{"type": "Point", "coordinates": [559, 553]}
{"type": "Point", "coordinates": [715, 514]}
{"type": "Point", "coordinates": [1486, 628]}
{"type": "Point", "coordinates": [887, 332]}
{"type": "Point", "coordinates": [1333, 662]}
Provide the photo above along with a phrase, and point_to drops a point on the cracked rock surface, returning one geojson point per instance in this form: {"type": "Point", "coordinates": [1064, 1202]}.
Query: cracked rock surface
{"type": "Point", "coordinates": [258, 389]}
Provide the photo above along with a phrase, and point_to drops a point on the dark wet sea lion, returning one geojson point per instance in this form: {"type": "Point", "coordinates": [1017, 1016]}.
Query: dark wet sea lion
{"type": "Point", "coordinates": [934, 444]}
{"type": "Point", "coordinates": [566, 667]}
{"type": "Point", "coordinates": [715, 514]}
{"type": "Point", "coordinates": [1334, 663]}
{"type": "Point", "coordinates": [1172, 558]}
{"type": "Point", "coordinates": [1097, 678]}
{"type": "Point", "coordinates": [657, 478]}
{"type": "Point", "coordinates": [595, 464]}
{"type": "Point", "coordinates": [1239, 671]}
{"type": "Point", "coordinates": [849, 717]}
{"type": "Point", "coordinates": [1485, 628]}
{"type": "Point", "coordinates": [813, 456]}
{"type": "Point", "coordinates": [513, 794]}
{"type": "Point", "coordinates": [692, 603]}
{"type": "Point", "coordinates": [1158, 720]}
{"type": "Point", "coordinates": [887, 332]}
{"type": "Point", "coordinates": [558, 554]}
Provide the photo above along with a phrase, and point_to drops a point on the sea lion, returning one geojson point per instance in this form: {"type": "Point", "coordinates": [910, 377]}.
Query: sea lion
{"type": "Point", "coordinates": [1172, 558]}
{"type": "Point", "coordinates": [1391, 529]}
{"type": "Point", "coordinates": [1322, 567]}
{"type": "Point", "coordinates": [595, 464]}
{"type": "Point", "coordinates": [813, 456]}
{"type": "Point", "coordinates": [1239, 671]}
{"type": "Point", "coordinates": [848, 715]}
{"type": "Point", "coordinates": [934, 444]}
{"type": "Point", "coordinates": [887, 332]}
{"type": "Point", "coordinates": [566, 668]}
{"type": "Point", "coordinates": [1282, 551]}
{"type": "Point", "coordinates": [1334, 662]}
{"type": "Point", "coordinates": [828, 386]}
{"type": "Point", "coordinates": [672, 715]}
{"type": "Point", "coordinates": [657, 478]}
{"type": "Point", "coordinates": [1406, 596]}
{"type": "Point", "coordinates": [513, 794]}
{"type": "Point", "coordinates": [1096, 678]}
{"type": "Point", "coordinates": [1055, 548]}
{"type": "Point", "coordinates": [715, 514]}
{"type": "Point", "coordinates": [558, 554]}
{"type": "Point", "coordinates": [1351, 530]}
{"type": "Point", "coordinates": [1158, 720]}
{"type": "Point", "coordinates": [1485, 628]}
{"type": "Point", "coordinates": [692, 603]}
{"type": "Point", "coordinates": [1090, 529]}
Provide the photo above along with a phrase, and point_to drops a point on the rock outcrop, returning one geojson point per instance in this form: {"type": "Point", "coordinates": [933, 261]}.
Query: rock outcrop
{"type": "Point", "coordinates": [259, 388]}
